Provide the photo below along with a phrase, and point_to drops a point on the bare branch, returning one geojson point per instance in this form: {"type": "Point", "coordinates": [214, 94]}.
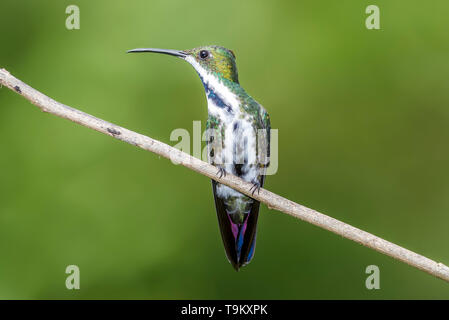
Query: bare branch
{"type": "Point", "coordinates": [272, 200]}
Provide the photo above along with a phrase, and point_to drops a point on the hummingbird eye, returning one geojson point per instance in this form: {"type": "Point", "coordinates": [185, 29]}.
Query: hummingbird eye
{"type": "Point", "coordinates": [203, 54]}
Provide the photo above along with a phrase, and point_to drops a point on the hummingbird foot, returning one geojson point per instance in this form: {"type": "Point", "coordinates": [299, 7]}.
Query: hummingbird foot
{"type": "Point", "coordinates": [256, 186]}
{"type": "Point", "coordinates": [221, 172]}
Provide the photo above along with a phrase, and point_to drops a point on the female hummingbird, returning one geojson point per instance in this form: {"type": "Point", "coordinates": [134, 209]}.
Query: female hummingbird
{"type": "Point", "coordinates": [238, 142]}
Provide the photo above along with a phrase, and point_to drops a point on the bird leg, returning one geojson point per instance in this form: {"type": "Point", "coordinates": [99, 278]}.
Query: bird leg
{"type": "Point", "coordinates": [256, 186]}
{"type": "Point", "coordinates": [221, 172]}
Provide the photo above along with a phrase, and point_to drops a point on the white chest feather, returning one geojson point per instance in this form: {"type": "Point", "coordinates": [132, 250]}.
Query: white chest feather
{"type": "Point", "coordinates": [238, 147]}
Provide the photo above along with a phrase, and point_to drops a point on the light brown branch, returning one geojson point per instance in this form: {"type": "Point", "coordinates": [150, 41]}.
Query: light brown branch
{"type": "Point", "coordinates": [271, 199]}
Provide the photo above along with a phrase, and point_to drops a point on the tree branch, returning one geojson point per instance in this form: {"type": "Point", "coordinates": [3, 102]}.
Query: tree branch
{"type": "Point", "coordinates": [272, 200]}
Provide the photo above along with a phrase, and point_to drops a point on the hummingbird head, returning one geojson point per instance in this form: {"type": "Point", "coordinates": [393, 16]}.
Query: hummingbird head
{"type": "Point", "coordinates": [207, 60]}
{"type": "Point", "coordinates": [214, 60]}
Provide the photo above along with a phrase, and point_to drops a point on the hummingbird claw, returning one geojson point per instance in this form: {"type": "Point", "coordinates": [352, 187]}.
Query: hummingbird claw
{"type": "Point", "coordinates": [221, 172]}
{"type": "Point", "coordinates": [256, 186]}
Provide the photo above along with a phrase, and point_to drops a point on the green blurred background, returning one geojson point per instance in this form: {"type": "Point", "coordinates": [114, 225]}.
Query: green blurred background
{"type": "Point", "coordinates": [363, 119]}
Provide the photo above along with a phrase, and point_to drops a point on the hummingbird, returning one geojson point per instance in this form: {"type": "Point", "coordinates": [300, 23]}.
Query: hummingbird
{"type": "Point", "coordinates": [238, 143]}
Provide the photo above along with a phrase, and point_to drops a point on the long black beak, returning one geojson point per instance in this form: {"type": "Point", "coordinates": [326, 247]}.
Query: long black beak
{"type": "Point", "coordinates": [175, 53]}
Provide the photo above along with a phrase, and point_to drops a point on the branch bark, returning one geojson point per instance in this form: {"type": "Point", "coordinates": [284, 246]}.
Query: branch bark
{"type": "Point", "coordinates": [272, 200]}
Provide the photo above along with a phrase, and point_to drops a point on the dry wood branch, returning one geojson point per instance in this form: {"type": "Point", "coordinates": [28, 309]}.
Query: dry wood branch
{"type": "Point", "coordinates": [271, 199]}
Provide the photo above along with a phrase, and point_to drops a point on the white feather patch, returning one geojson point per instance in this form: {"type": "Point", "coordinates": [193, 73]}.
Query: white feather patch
{"type": "Point", "coordinates": [245, 130]}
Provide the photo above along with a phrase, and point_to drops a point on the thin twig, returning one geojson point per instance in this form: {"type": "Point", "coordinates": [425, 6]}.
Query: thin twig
{"type": "Point", "coordinates": [272, 200]}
